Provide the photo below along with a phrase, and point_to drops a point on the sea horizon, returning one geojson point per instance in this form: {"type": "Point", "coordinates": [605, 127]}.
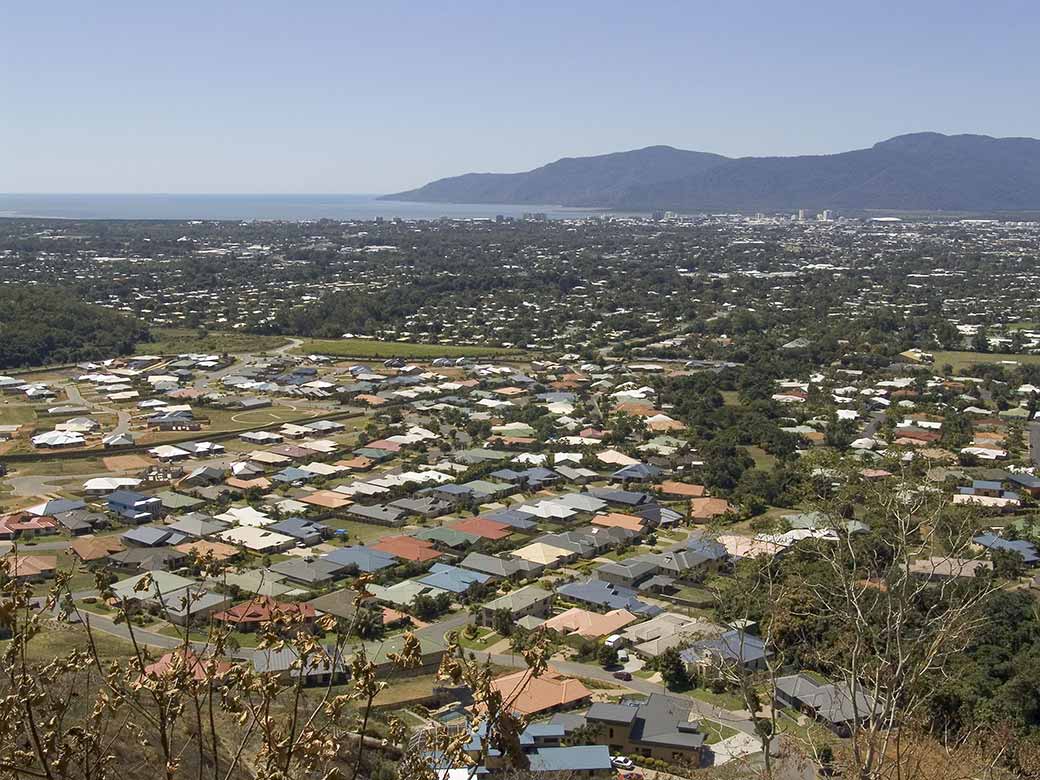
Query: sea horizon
{"type": "Point", "coordinates": [292, 207]}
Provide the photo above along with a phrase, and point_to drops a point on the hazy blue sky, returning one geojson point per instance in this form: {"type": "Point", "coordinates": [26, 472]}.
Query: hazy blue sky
{"type": "Point", "coordinates": [337, 96]}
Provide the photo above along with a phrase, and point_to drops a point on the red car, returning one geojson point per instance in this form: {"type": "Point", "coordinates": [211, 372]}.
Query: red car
{"type": "Point", "coordinates": [626, 676]}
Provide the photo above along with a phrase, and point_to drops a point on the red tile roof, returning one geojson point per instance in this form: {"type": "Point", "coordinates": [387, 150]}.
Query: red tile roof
{"type": "Point", "coordinates": [481, 526]}
{"type": "Point", "coordinates": [407, 548]}
{"type": "Point", "coordinates": [263, 609]}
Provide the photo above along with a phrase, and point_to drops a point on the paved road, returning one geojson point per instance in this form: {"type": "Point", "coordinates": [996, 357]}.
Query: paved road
{"type": "Point", "coordinates": [876, 418]}
{"type": "Point", "coordinates": [293, 344]}
{"type": "Point", "coordinates": [122, 416]}
{"type": "Point", "coordinates": [1034, 442]}
{"type": "Point", "coordinates": [32, 549]}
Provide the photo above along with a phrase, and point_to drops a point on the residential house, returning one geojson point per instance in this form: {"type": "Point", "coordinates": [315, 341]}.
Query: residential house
{"type": "Point", "coordinates": [663, 727]}
{"type": "Point", "coordinates": [734, 648]}
{"type": "Point", "coordinates": [836, 706]}
{"type": "Point", "coordinates": [135, 507]}
{"type": "Point", "coordinates": [528, 600]}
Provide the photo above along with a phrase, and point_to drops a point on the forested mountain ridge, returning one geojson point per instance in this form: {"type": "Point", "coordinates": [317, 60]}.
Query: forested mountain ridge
{"type": "Point", "coordinates": [47, 325]}
{"type": "Point", "coordinates": [571, 180]}
{"type": "Point", "coordinates": [920, 172]}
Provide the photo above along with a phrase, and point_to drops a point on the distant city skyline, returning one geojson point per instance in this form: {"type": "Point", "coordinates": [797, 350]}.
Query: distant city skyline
{"type": "Point", "coordinates": [323, 97]}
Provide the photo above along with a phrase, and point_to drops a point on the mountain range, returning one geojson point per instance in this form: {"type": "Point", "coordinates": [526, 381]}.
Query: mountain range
{"type": "Point", "coordinates": [915, 172]}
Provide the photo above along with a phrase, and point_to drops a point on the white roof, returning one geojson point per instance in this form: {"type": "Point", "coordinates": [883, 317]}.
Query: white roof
{"type": "Point", "coordinates": [57, 439]}
{"type": "Point", "coordinates": [246, 516]}
{"type": "Point", "coordinates": [254, 538]}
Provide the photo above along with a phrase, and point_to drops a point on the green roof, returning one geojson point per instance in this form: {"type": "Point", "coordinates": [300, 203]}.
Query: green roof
{"type": "Point", "coordinates": [447, 536]}
{"type": "Point", "coordinates": [171, 500]}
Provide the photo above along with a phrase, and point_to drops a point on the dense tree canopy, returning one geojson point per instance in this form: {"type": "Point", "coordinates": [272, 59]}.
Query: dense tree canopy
{"type": "Point", "coordinates": [43, 325]}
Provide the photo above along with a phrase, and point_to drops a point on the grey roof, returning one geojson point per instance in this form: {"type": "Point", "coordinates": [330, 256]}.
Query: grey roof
{"type": "Point", "coordinates": [308, 572]}
{"type": "Point", "coordinates": [733, 646]}
{"type": "Point", "coordinates": [831, 702]}
{"type": "Point", "coordinates": [197, 525]}
{"type": "Point", "coordinates": [605, 594]}
{"type": "Point", "coordinates": [518, 520]}
{"type": "Point", "coordinates": [660, 720]}
{"type": "Point", "coordinates": [706, 545]}
{"type": "Point", "coordinates": [581, 758]}
{"type": "Point", "coordinates": [152, 537]}
{"type": "Point", "coordinates": [424, 505]}
{"type": "Point", "coordinates": [665, 720]}
{"type": "Point", "coordinates": [612, 713]}
{"type": "Point", "coordinates": [148, 558]}
{"type": "Point", "coordinates": [519, 599]}
{"type": "Point", "coordinates": [282, 661]}
{"type": "Point", "coordinates": [376, 512]}
{"type": "Point", "coordinates": [452, 578]}
{"type": "Point", "coordinates": [366, 559]}
{"type": "Point", "coordinates": [80, 519]}
{"type": "Point", "coordinates": [622, 497]}
{"type": "Point", "coordinates": [632, 569]}
{"type": "Point", "coordinates": [498, 567]}
{"type": "Point", "coordinates": [1025, 480]}
{"type": "Point", "coordinates": [298, 528]}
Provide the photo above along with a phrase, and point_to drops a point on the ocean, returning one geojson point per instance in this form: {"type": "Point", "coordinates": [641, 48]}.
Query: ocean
{"type": "Point", "coordinates": [247, 207]}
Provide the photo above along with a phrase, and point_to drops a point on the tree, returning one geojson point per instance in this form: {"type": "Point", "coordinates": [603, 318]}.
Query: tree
{"type": "Point", "coordinates": [980, 341]}
{"type": "Point", "coordinates": [673, 670]}
{"type": "Point", "coordinates": [502, 621]}
{"type": "Point", "coordinates": [607, 656]}
{"type": "Point", "coordinates": [889, 630]}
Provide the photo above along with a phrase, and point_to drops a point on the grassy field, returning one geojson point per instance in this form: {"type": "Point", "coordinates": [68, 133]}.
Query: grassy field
{"type": "Point", "coordinates": [56, 641]}
{"type": "Point", "coordinates": [485, 638]}
{"type": "Point", "coordinates": [731, 398]}
{"type": "Point", "coordinates": [763, 460]}
{"type": "Point", "coordinates": [360, 533]}
{"type": "Point", "coordinates": [16, 414]}
{"type": "Point", "coordinates": [175, 341]}
{"type": "Point", "coordinates": [370, 348]}
{"type": "Point", "coordinates": [963, 360]}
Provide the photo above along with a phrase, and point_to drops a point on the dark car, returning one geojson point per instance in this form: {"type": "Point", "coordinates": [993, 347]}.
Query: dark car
{"type": "Point", "coordinates": [626, 676]}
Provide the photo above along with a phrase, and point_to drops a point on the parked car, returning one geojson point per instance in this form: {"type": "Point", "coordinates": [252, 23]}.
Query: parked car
{"type": "Point", "coordinates": [622, 762]}
{"type": "Point", "coordinates": [626, 676]}
{"type": "Point", "coordinates": [630, 776]}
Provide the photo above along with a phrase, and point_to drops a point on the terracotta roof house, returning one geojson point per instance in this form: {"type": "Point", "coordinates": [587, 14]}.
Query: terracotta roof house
{"type": "Point", "coordinates": [186, 659]}
{"type": "Point", "coordinates": [325, 499]}
{"type": "Point", "coordinates": [407, 548]}
{"type": "Point", "coordinates": [203, 548]}
{"type": "Point", "coordinates": [482, 527]}
{"type": "Point", "coordinates": [250, 614]}
{"type": "Point", "coordinates": [96, 548]}
{"type": "Point", "coordinates": [590, 624]}
{"type": "Point", "coordinates": [709, 508]}
{"type": "Point", "coordinates": [537, 695]}
{"type": "Point", "coordinates": [620, 520]}
{"type": "Point", "coordinates": [680, 489]}
{"type": "Point", "coordinates": [30, 567]}
{"type": "Point", "coordinates": [25, 524]}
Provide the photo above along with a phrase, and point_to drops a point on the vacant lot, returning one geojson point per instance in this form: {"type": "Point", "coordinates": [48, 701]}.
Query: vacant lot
{"type": "Point", "coordinates": [963, 360]}
{"type": "Point", "coordinates": [16, 414]}
{"type": "Point", "coordinates": [370, 348]}
{"type": "Point", "coordinates": [359, 533]}
{"type": "Point", "coordinates": [175, 341]}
